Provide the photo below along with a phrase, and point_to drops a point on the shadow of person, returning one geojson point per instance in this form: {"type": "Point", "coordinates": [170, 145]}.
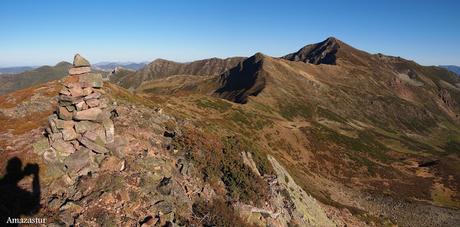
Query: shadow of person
{"type": "Point", "coordinates": [15, 201]}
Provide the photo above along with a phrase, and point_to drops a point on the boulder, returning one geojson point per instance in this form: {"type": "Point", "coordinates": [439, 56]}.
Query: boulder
{"type": "Point", "coordinates": [93, 102]}
{"type": "Point", "coordinates": [112, 164]}
{"type": "Point", "coordinates": [69, 134]}
{"type": "Point", "coordinates": [94, 95]}
{"type": "Point", "coordinates": [87, 91]}
{"type": "Point", "coordinates": [64, 114]}
{"type": "Point", "coordinates": [65, 92]}
{"type": "Point", "coordinates": [91, 80]}
{"type": "Point", "coordinates": [60, 124]}
{"type": "Point", "coordinates": [52, 121]}
{"type": "Point", "coordinates": [92, 114]}
{"type": "Point", "coordinates": [79, 70]}
{"type": "Point", "coordinates": [70, 108]}
{"type": "Point", "coordinates": [41, 146]}
{"type": "Point", "coordinates": [77, 162]}
{"type": "Point", "coordinates": [81, 106]}
{"type": "Point", "coordinates": [79, 61]}
{"type": "Point", "coordinates": [62, 147]}
{"type": "Point", "coordinates": [83, 126]}
{"type": "Point", "coordinates": [76, 91]}
{"type": "Point", "coordinates": [93, 146]}
{"type": "Point", "coordinates": [109, 130]}
{"type": "Point", "coordinates": [55, 136]}
{"type": "Point", "coordinates": [97, 135]}
{"type": "Point", "coordinates": [50, 155]}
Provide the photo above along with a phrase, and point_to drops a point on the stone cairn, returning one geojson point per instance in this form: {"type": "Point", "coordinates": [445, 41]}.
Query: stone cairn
{"type": "Point", "coordinates": [81, 130]}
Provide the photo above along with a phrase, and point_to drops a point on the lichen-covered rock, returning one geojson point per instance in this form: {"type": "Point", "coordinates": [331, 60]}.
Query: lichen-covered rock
{"type": "Point", "coordinates": [91, 80]}
{"type": "Point", "coordinates": [76, 91]}
{"type": "Point", "coordinates": [79, 163]}
{"type": "Point", "coordinates": [79, 61]}
{"type": "Point", "coordinates": [81, 106]}
{"type": "Point", "coordinates": [109, 130]}
{"type": "Point", "coordinates": [41, 146]}
{"type": "Point", "coordinates": [64, 114]}
{"type": "Point", "coordinates": [60, 124]}
{"type": "Point", "coordinates": [79, 70]}
{"type": "Point", "coordinates": [92, 114]}
{"type": "Point", "coordinates": [69, 133]}
{"type": "Point", "coordinates": [84, 126]}
{"type": "Point", "coordinates": [93, 102]}
{"type": "Point", "coordinates": [93, 146]}
{"type": "Point", "coordinates": [62, 147]}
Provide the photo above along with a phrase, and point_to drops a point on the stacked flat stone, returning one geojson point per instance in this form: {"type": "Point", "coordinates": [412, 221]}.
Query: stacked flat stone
{"type": "Point", "coordinates": [81, 129]}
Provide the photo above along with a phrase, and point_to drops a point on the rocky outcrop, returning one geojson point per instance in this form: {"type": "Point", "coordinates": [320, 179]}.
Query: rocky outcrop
{"type": "Point", "coordinates": [446, 98]}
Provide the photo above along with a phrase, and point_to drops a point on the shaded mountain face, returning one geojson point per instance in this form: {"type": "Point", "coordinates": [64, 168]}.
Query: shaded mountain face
{"type": "Point", "coordinates": [9, 83]}
{"type": "Point", "coordinates": [245, 79]}
{"type": "Point", "coordinates": [160, 68]}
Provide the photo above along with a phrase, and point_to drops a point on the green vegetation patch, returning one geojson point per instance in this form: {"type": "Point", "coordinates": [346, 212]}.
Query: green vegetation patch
{"type": "Point", "coordinates": [452, 147]}
{"type": "Point", "coordinates": [322, 137]}
{"type": "Point", "coordinates": [220, 159]}
{"type": "Point", "coordinates": [216, 213]}
{"type": "Point", "coordinates": [322, 112]}
{"type": "Point", "coordinates": [291, 110]}
{"type": "Point", "coordinates": [216, 104]}
{"type": "Point", "coordinates": [249, 120]}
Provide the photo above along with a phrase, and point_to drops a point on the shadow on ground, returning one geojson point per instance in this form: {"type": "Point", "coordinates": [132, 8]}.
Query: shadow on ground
{"type": "Point", "coordinates": [14, 200]}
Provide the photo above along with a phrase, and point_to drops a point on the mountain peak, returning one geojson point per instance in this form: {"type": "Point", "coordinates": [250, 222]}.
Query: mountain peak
{"type": "Point", "coordinates": [327, 52]}
{"type": "Point", "coordinates": [63, 63]}
{"type": "Point", "coordinates": [318, 53]}
{"type": "Point", "coordinates": [332, 39]}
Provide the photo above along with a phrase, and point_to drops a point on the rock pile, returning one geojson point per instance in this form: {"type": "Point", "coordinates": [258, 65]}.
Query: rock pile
{"type": "Point", "coordinates": [81, 130]}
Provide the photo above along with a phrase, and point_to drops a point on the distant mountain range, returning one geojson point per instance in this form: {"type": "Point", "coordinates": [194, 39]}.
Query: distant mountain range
{"type": "Point", "coordinates": [17, 69]}
{"type": "Point", "coordinates": [109, 66]}
{"type": "Point", "coordinates": [452, 68]}
{"type": "Point", "coordinates": [103, 66]}
{"type": "Point", "coordinates": [40, 75]}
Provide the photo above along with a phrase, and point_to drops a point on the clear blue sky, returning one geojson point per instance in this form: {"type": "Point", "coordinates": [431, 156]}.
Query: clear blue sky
{"type": "Point", "coordinates": [45, 32]}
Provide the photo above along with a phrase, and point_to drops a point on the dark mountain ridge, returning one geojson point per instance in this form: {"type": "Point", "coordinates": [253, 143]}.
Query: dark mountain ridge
{"type": "Point", "coordinates": [161, 68]}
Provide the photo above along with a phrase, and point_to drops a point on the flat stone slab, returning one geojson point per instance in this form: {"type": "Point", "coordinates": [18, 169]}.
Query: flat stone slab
{"type": "Point", "coordinates": [93, 146]}
{"type": "Point", "coordinates": [93, 114]}
{"type": "Point", "coordinates": [83, 126]}
{"type": "Point", "coordinates": [91, 80]}
{"type": "Point", "coordinates": [79, 70]}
